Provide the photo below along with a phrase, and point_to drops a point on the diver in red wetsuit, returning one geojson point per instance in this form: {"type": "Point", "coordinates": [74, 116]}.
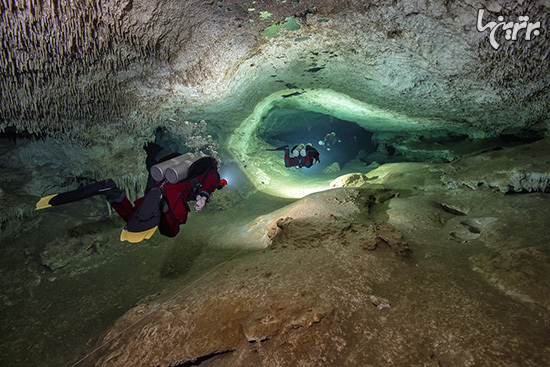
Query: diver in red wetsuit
{"type": "Point", "coordinates": [164, 206]}
{"type": "Point", "coordinates": [300, 156]}
{"type": "Point", "coordinates": [175, 197]}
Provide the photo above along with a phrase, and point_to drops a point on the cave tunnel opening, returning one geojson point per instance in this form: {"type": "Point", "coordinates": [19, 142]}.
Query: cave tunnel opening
{"type": "Point", "coordinates": [349, 145]}
{"type": "Point", "coordinates": [338, 141]}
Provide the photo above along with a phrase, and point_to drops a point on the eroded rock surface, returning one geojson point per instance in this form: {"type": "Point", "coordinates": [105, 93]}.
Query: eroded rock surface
{"type": "Point", "coordinates": [329, 289]}
{"type": "Point", "coordinates": [519, 169]}
{"type": "Point", "coordinates": [285, 305]}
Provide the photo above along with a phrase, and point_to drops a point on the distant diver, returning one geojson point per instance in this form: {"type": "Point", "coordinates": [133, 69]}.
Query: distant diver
{"type": "Point", "coordinates": [301, 155]}
{"type": "Point", "coordinates": [329, 140]}
{"type": "Point", "coordinates": [180, 178]}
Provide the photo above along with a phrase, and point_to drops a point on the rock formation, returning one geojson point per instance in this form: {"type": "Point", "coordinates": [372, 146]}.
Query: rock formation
{"type": "Point", "coordinates": [85, 84]}
{"type": "Point", "coordinates": [338, 283]}
{"type": "Point", "coordinates": [79, 70]}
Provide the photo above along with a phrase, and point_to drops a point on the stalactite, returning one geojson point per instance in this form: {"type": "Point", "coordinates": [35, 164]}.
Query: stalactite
{"type": "Point", "coordinates": [44, 34]}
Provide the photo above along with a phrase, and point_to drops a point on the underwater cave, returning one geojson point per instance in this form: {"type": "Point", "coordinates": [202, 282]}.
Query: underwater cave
{"type": "Point", "coordinates": [337, 140]}
{"type": "Point", "coordinates": [423, 228]}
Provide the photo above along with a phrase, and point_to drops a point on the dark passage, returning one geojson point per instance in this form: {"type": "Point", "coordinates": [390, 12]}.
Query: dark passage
{"type": "Point", "coordinates": [342, 141]}
{"type": "Point", "coordinates": [336, 140]}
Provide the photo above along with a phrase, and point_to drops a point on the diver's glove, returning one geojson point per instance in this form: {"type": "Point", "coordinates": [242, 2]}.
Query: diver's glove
{"type": "Point", "coordinates": [201, 202]}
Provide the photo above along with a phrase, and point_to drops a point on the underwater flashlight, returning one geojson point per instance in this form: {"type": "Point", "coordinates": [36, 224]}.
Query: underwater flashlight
{"type": "Point", "coordinates": [222, 184]}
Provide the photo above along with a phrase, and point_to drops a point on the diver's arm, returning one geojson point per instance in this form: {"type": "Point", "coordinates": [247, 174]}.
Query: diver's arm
{"type": "Point", "coordinates": [201, 203]}
{"type": "Point", "coordinates": [202, 197]}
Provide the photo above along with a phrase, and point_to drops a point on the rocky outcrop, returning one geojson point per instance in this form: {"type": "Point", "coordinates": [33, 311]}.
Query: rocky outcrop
{"type": "Point", "coordinates": [471, 209]}
{"type": "Point", "coordinates": [271, 302]}
{"type": "Point", "coordinates": [328, 289]}
{"type": "Point", "coordinates": [520, 169]}
{"type": "Point", "coordinates": [350, 180]}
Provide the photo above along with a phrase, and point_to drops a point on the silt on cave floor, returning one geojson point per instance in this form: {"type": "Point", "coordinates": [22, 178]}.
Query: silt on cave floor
{"type": "Point", "coordinates": [337, 284]}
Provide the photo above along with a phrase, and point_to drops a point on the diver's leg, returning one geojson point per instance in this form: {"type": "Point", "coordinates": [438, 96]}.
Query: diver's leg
{"type": "Point", "coordinates": [106, 187]}
{"type": "Point", "coordinates": [288, 162]}
{"type": "Point", "coordinates": [119, 202]}
{"type": "Point", "coordinates": [124, 208]}
{"type": "Point", "coordinates": [115, 196]}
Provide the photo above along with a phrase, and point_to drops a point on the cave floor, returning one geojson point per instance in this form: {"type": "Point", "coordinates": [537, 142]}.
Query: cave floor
{"type": "Point", "coordinates": [334, 287]}
{"type": "Point", "coordinates": [49, 318]}
{"type": "Point", "coordinates": [324, 294]}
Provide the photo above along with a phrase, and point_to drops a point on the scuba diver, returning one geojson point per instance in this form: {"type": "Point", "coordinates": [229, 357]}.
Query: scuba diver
{"type": "Point", "coordinates": [181, 179]}
{"type": "Point", "coordinates": [329, 140]}
{"type": "Point", "coordinates": [300, 156]}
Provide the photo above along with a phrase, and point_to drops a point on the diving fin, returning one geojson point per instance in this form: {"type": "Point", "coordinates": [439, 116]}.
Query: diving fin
{"type": "Point", "coordinates": [145, 221]}
{"type": "Point", "coordinates": [44, 202]}
{"type": "Point", "coordinates": [135, 237]}
{"type": "Point", "coordinates": [102, 187]}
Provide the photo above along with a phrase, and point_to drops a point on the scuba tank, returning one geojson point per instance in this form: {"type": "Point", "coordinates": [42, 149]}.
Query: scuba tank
{"type": "Point", "coordinates": [297, 151]}
{"type": "Point", "coordinates": [175, 169]}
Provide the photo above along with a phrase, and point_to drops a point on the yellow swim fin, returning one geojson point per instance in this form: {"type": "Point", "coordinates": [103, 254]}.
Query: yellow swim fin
{"type": "Point", "coordinates": [135, 237]}
{"type": "Point", "coordinates": [45, 202]}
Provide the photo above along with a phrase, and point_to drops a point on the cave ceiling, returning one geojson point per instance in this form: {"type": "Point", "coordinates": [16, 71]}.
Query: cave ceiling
{"type": "Point", "coordinates": [91, 72]}
{"type": "Point", "coordinates": [68, 63]}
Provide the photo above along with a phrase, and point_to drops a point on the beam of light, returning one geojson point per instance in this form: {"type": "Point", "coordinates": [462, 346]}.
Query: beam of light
{"type": "Point", "coordinates": [295, 192]}
{"type": "Point", "coordinates": [232, 175]}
